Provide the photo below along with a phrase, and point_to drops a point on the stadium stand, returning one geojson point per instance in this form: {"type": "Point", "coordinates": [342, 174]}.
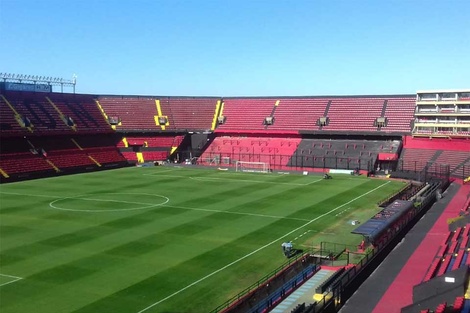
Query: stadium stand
{"type": "Point", "coordinates": [157, 141]}
{"type": "Point", "coordinates": [135, 113]}
{"type": "Point", "coordinates": [36, 108]}
{"type": "Point", "coordinates": [420, 152]}
{"type": "Point", "coordinates": [189, 113]}
{"type": "Point", "coordinates": [47, 148]}
{"type": "Point", "coordinates": [53, 113]}
{"type": "Point", "coordinates": [130, 156]}
{"type": "Point", "coordinates": [82, 110]}
{"type": "Point", "coordinates": [11, 121]}
{"type": "Point", "coordinates": [100, 148]}
{"type": "Point", "coordinates": [354, 114]}
{"type": "Point", "coordinates": [455, 159]}
{"type": "Point", "coordinates": [24, 162]}
{"type": "Point", "coordinates": [52, 132]}
{"type": "Point", "coordinates": [105, 155]}
{"type": "Point", "coordinates": [343, 154]}
{"type": "Point", "coordinates": [155, 155]}
{"type": "Point", "coordinates": [102, 140]}
{"type": "Point", "coordinates": [299, 113]}
{"type": "Point", "coordinates": [67, 152]}
{"type": "Point", "coordinates": [416, 159]}
{"type": "Point", "coordinates": [151, 148]}
{"type": "Point", "coordinates": [69, 158]}
{"type": "Point", "coordinates": [227, 150]}
{"type": "Point", "coordinates": [303, 113]}
{"type": "Point", "coordinates": [399, 114]}
{"type": "Point", "coordinates": [246, 113]}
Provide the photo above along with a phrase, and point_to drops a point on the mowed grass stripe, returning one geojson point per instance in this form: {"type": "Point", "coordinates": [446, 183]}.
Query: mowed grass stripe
{"type": "Point", "coordinates": [61, 240]}
{"type": "Point", "coordinates": [84, 264]}
{"type": "Point", "coordinates": [290, 202]}
{"type": "Point", "coordinates": [127, 221]}
{"type": "Point", "coordinates": [208, 276]}
{"type": "Point", "coordinates": [211, 259]}
{"type": "Point", "coordinates": [75, 238]}
{"type": "Point", "coordinates": [229, 192]}
{"type": "Point", "coordinates": [211, 201]}
{"type": "Point", "coordinates": [170, 240]}
{"type": "Point", "coordinates": [209, 296]}
{"type": "Point", "coordinates": [100, 235]}
{"type": "Point", "coordinates": [135, 251]}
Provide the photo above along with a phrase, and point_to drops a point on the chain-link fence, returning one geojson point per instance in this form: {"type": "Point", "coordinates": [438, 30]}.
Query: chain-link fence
{"type": "Point", "coordinates": [466, 173]}
{"type": "Point", "coordinates": [422, 171]}
{"type": "Point", "coordinates": [288, 162]}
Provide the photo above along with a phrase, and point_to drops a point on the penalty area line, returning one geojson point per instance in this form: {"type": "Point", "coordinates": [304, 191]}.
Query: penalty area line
{"type": "Point", "coordinates": [155, 173]}
{"type": "Point", "coordinates": [234, 180]}
{"type": "Point", "coordinates": [257, 250]}
{"type": "Point", "coordinates": [208, 179]}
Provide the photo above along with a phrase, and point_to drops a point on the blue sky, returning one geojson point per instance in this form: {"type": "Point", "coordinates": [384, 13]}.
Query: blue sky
{"type": "Point", "coordinates": [240, 48]}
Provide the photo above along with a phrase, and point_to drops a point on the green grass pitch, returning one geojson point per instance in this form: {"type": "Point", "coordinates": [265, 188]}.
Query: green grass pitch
{"type": "Point", "coordinates": [163, 239]}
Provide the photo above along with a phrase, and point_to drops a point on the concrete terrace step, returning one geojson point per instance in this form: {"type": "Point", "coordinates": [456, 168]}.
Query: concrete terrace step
{"type": "Point", "coordinates": [304, 293]}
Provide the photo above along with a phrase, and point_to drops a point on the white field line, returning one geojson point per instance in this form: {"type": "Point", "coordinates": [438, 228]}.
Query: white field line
{"type": "Point", "coordinates": [108, 200]}
{"type": "Point", "coordinates": [78, 198]}
{"type": "Point", "coordinates": [166, 175]}
{"type": "Point", "coordinates": [164, 171]}
{"type": "Point", "coordinates": [301, 235]}
{"type": "Point", "coordinates": [237, 213]}
{"type": "Point", "coordinates": [232, 180]}
{"type": "Point", "coordinates": [152, 204]}
{"type": "Point", "coordinates": [15, 278]}
{"type": "Point", "coordinates": [249, 181]}
{"type": "Point", "coordinates": [146, 205]}
{"type": "Point", "coordinates": [342, 212]}
{"type": "Point", "coordinates": [313, 182]}
{"type": "Point", "coordinates": [257, 250]}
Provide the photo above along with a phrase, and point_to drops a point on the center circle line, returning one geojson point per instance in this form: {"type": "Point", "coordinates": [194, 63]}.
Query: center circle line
{"type": "Point", "coordinates": [53, 204]}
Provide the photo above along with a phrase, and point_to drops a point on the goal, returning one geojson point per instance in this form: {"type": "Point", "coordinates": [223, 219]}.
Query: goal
{"type": "Point", "coordinates": [252, 167]}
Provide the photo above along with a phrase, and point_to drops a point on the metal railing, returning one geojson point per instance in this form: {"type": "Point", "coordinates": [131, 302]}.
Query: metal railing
{"type": "Point", "coordinates": [257, 284]}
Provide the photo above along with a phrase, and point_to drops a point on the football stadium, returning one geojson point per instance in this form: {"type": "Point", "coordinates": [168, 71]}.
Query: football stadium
{"type": "Point", "coordinates": [128, 203]}
{"type": "Point", "coordinates": [249, 156]}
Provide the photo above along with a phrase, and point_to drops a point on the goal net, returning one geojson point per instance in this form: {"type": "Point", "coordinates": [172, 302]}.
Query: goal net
{"type": "Point", "coordinates": [252, 167]}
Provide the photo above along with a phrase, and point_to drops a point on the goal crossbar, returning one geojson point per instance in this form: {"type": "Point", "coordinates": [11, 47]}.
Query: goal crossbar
{"type": "Point", "coordinates": [252, 167]}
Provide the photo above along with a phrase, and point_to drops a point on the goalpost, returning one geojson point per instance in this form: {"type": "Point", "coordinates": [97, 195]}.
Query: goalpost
{"type": "Point", "coordinates": [252, 167]}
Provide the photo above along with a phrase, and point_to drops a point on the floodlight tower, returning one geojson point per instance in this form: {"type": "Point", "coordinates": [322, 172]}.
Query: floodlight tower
{"type": "Point", "coordinates": [39, 80]}
{"type": "Point", "coordinates": [74, 81]}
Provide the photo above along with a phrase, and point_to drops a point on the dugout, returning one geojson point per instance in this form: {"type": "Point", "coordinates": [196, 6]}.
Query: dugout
{"type": "Point", "coordinates": [386, 223]}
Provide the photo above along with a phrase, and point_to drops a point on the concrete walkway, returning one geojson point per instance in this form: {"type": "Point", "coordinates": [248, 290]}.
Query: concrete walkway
{"type": "Point", "coordinates": [305, 293]}
{"type": "Point", "coordinates": [390, 287]}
